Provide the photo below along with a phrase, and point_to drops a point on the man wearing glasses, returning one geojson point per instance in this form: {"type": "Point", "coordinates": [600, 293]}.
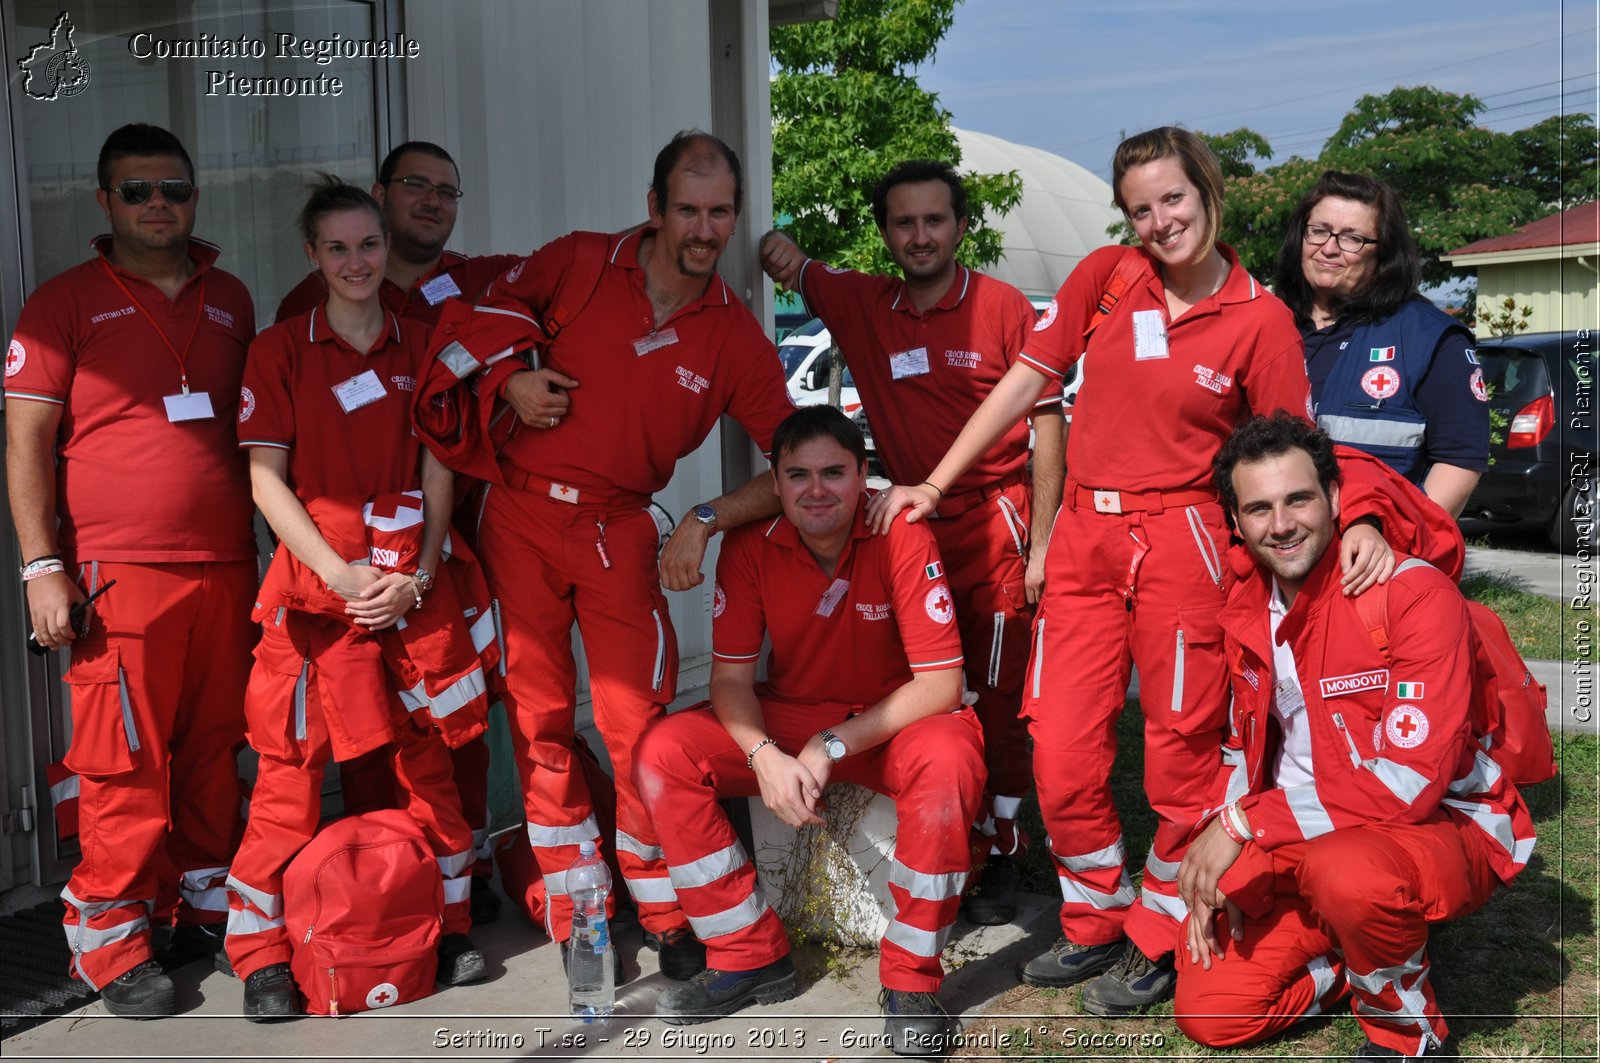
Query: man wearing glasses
{"type": "Point", "coordinates": [419, 189]}
{"type": "Point", "coordinates": [122, 389]}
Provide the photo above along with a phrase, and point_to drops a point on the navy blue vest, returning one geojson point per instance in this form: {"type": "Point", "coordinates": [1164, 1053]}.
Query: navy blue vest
{"type": "Point", "coordinates": [1369, 400]}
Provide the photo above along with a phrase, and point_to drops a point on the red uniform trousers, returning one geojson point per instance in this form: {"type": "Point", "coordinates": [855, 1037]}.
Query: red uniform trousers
{"type": "Point", "coordinates": [1348, 912]}
{"type": "Point", "coordinates": [287, 715]}
{"type": "Point", "coordinates": [1121, 590]}
{"type": "Point", "coordinates": [933, 770]}
{"type": "Point", "coordinates": [368, 784]}
{"type": "Point", "coordinates": [985, 552]}
{"type": "Point", "coordinates": [157, 718]}
{"type": "Point", "coordinates": [547, 565]}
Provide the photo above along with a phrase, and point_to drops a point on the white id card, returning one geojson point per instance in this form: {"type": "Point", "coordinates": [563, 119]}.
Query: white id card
{"type": "Point", "coordinates": [195, 406]}
{"type": "Point", "coordinates": [1149, 335]}
{"type": "Point", "coordinates": [909, 363]}
{"type": "Point", "coordinates": [439, 289]}
{"type": "Point", "coordinates": [1290, 700]}
{"type": "Point", "coordinates": [363, 389]}
{"type": "Point", "coordinates": [655, 341]}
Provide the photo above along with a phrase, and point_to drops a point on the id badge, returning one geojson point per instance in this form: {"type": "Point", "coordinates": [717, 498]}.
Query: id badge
{"type": "Point", "coordinates": [1149, 335]}
{"type": "Point", "coordinates": [655, 341]}
{"type": "Point", "coordinates": [1289, 698]}
{"type": "Point", "coordinates": [909, 363]}
{"type": "Point", "coordinates": [195, 406]}
{"type": "Point", "coordinates": [439, 289]}
{"type": "Point", "coordinates": [363, 389]}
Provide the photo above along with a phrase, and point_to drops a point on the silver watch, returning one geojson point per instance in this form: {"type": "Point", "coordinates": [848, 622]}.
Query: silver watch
{"type": "Point", "coordinates": [833, 745]}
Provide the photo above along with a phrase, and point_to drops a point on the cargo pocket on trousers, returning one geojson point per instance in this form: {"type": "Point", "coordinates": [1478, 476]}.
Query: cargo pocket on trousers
{"type": "Point", "coordinates": [104, 734]}
{"type": "Point", "coordinates": [1199, 674]}
{"type": "Point", "coordinates": [275, 699]}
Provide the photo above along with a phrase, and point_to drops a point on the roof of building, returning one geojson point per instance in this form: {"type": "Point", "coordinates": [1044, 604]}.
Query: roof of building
{"type": "Point", "coordinates": [1578, 225]}
{"type": "Point", "coordinates": [1064, 212]}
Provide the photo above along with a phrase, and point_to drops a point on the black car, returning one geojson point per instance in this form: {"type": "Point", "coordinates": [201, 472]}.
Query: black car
{"type": "Point", "coordinates": [1542, 447]}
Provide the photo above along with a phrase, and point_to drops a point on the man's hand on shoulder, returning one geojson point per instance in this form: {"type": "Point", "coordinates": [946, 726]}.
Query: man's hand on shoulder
{"type": "Point", "coordinates": [539, 396]}
{"type": "Point", "coordinates": [782, 259]}
{"type": "Point", "coordinates": [684, 553]}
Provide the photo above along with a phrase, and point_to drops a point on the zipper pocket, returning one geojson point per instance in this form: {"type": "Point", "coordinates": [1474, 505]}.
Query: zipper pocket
{"type": "Point", "coordinates": [659, 674]}
{"type": "Point", "coordinates": [1355, 756]}
{"type": "Point", "coordinates": [1038, 657]}
{"type": "Point", "coordinates": [300, 701]}
{"type": "Point", "coordinates": [996, 645]}
{"type": "Point", "coordinates": [1177, 675]}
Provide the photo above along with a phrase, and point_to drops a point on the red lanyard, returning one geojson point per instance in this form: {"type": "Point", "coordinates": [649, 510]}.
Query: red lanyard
{"type": "Point", "coordinates": [200, 309]}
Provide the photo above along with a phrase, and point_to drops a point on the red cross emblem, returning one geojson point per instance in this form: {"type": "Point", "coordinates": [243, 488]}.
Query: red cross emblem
{"type": "Point", "coordinates": [1381, 382]}
{"type": "Point", "coordinates": [382, 995]}
{"type": "Point", "coordinates": [938, 605]}
{"type": "Point", "coordinates": [1480, 390]}
{"type": "Point", "coordinates": [1406, 726]}
{"type": "Point", "coordinates": [16, 355]}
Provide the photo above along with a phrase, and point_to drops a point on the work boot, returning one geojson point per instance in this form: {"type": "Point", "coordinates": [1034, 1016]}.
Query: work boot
{"type": "Point", "coordinates": [713, 993]}
{"type": "Point", "coordinates": [460, 961]}
{"type": "Point", "coordinates": [270, 994]}
{"type": "Point", "coordinates": [915, 1024]}
{"type": "Point", "coordinates": [994, 901]}
{"type": "Point", "coordinates": [485, 901]}
{"type": "Point", "coordinates": [682, 954]}
{"type": "Point", "coordinates": [142, 993]}
{"type": "Point", "coordinates": [1135, 983]}
{"type": "Point", "coordinates": [201, 942]}
{"type": "Point", "coordinates": [1372, 1051]}
{"type": "Point", "coordinates": [1068, 963]}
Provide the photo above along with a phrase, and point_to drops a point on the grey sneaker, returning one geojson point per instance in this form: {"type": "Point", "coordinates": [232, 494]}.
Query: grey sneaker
{"type": "Point", "coordinates": [1068, 963]}
{"type": "Point", "coordinates": [1135, 983]}
{"type": "Point", "coordinates": [713, 993]}
{"type": "Point", "coordinates": [915, 1024]}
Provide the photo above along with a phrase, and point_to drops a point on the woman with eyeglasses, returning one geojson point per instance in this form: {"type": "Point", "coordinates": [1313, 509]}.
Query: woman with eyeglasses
{"type": "Point", "coordinates": [1390, 374]}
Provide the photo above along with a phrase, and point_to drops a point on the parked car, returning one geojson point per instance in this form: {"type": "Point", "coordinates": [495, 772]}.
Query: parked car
{"type": "Point", "coordinates": [1542, 457]}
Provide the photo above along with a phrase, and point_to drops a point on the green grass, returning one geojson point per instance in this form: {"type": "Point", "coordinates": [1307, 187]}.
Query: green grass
{"type": "Point", "coordinates": [1517, 979]}
{"type": "Point", "coordinates": [1541, 627]}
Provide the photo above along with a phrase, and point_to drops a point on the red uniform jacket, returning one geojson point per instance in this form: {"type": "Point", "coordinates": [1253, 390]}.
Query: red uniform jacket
{"type": "Point", "coordinates": [1392, 742]}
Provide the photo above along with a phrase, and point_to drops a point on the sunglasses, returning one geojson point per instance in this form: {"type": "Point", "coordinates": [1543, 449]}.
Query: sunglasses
{"type": "Point", "coordinates": [173, 190]}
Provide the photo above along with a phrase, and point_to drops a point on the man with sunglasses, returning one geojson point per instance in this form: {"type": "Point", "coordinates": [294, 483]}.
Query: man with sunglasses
{"type": "Point", "coordinates": [419, 188]}
{"type": "Point", "coordinates": [122, 389]}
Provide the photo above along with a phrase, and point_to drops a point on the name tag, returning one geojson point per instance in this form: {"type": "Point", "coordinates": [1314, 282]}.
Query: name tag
{"type": "Point", "coordinates": [909, 363]}
{"type": "Point", "coordinates": [360, 390]}
{"type": "Point", "coordinates": [1149, 335]}
{"type": "Point", "coordinates": [830, 601]}
{"type": "Point", "coordinates": [439, 289]}
{"type": "Point", "coordinates": [655, 341]}
{"type": "Point", "coordinates": [195, 406]}
{"type": "Point", "coordinates": [1286, 692]}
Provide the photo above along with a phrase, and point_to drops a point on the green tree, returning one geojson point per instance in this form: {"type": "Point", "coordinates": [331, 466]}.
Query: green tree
{"type": "Point", "coordinates": [845, 108]}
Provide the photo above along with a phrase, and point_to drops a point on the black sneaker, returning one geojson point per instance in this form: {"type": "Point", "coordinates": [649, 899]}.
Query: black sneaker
{"type": "Point", "coordinates": [1372, 1051]}
{"type": "Point", "coordinates": [142, 993]}
{"type": "Point", "coordinates": [682, 954]}
{"type": "Point", "coordinates": [915, 1024]}
{"type": "Point", "coordinates": [270, 994]}
{"type": "Point", "coordinates": [485, 901]}
{"type": "Point", "coordinates": [1068, 963]}
{"type": "Point", "coordinates": [993, 902]}
{"type": "Point", "coordinates": [189, 943]}
{"type": "Point", "coordinates": [1135, 983]}
{"type": "Point", "coordinates": [460, 961]}
{"type": "Point", "coordinates": [713, 993]}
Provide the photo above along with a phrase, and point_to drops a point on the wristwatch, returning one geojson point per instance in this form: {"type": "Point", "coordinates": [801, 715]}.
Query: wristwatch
{"type": "Point", "coordinates": [705, 515]}
{"type": "Point", "coordinates": [832, 745]}
{"type": "Point", "coordinates": [424, 580]}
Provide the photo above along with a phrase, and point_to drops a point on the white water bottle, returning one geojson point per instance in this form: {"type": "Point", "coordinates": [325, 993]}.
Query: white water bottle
{"type": "Point", "coordinates": [591, 977]}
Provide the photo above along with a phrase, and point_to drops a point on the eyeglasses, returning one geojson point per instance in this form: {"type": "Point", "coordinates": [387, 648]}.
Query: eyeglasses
{"type": "Point", "coordinates": [422, 186]}
{"type": "Point", "coordinates": [135, 190]}
{"type": "Point", "coordinates": [1351, 243]}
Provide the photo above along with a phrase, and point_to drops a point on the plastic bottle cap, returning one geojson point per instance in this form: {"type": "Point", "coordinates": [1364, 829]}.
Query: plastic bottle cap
{"type": "Point", "coordinates": [586, 848]}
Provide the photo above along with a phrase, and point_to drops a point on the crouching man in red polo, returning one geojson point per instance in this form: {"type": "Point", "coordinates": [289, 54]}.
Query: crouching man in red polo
{"type": "Point", "coordinates": [864, 686]}
{"type": "Point", "coordinates": [1357, 804]}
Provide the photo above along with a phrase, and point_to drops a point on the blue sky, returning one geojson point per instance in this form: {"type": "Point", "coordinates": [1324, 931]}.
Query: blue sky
{"type": "Point", "coordinates": [1069, 76]}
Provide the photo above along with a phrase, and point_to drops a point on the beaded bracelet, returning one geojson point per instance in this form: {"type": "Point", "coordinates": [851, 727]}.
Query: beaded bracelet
{"type": "Point", "coordinates": [750, 757]}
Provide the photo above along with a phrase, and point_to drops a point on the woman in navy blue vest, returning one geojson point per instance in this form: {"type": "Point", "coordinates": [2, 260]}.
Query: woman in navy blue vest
{"type": "Point", "coordinates": [1390, 373]}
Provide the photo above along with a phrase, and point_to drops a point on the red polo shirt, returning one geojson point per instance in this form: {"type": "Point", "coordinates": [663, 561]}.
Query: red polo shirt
{"type": "Point", "coordinates": [291, 400]}
{"type": "Point", "coordinates": [133, 485]}
{"type": "Point", "coordinates": [1152, 415]}
{"type": "Point", "coordinates": [454, 275]}
{"type": "Point", "coordinates": [854, 637]}
{"type": "Point", "coordinates": [647, 395]}
{"type": "Point", "coordinates": [923, 374]}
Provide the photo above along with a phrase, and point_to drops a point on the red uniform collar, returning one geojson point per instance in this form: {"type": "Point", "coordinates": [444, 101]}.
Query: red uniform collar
{"type": "Point", "coordinates": [319, 331]}
{"type": "Point", "coordinates": [959, 284]}
{"type": "Point", "coordinates": [783, 532]}
{"type": "Point", "coordinates": [202, 253]}
{"type": "Point", "coordinates": [1245, 615]}
{"type": "Point", "coordinates": [1238, 287]}
{"type": "Point", "coordinates": [625, 253]}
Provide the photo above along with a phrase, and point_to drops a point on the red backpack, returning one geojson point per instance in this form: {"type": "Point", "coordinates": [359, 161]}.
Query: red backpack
{"type": "Point", "coordinates": [363, 904]}
{"type": "Point", "coordinates": [1508, 706]}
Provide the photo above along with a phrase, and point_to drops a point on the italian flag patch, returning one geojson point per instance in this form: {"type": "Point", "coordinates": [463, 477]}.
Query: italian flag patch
{"type": "Point", "coordinates": [1408, 691]}
{"type": "Point", "coordinates": [1381, 354]}
{"type": "Point", "coordinates": [933, 571]}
